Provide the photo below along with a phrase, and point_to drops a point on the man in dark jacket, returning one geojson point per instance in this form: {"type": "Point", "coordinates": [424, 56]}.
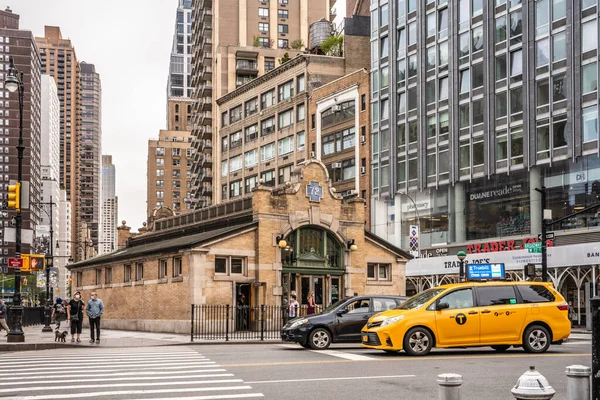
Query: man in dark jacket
{"type": "Point", "coordinates": [3, 316]}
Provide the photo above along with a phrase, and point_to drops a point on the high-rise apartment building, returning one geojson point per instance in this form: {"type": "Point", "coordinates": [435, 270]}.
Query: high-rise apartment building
{"type": "Point", "coordinates": [58, 59]}
{"type": "Point", "coordinates": [180, 66]}
{"type": "Point", "coordinates": [110, 207]}
{"type": "Point", "coordinates": [169, 171]}
{"type": "Point", "coordinates": [475, 104]}
{"type": "Point", "coordinates": [21, 46]}
{"type": "Point", "coordinates": [90, 151]}
{"type": "Point", "coordinates": [251, 38]}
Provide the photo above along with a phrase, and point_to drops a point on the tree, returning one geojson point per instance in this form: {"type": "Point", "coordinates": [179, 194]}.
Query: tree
{"type": "Point", "coordinates": [333, 46]}
{"type": "Point", "coordinates": [255, 41]}
{"type": "Point", "coordinates": [297, 44]}
{"type": "Point", "coordinates": [284, 59]}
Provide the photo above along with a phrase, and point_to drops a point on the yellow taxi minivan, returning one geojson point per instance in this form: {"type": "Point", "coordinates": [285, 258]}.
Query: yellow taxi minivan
{"type": "Point", "coordinates": [499, 314]}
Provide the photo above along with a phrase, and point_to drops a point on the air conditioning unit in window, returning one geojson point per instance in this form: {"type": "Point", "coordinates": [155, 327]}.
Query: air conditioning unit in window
{"type": "Point", "coordinates": [336, 165]}
{"type": "Point", "coordinates": [363, 170]}
{"type": "Point", "coordinates": [312, 154]}
{"type": "Point", "coordinates": [363, 139]}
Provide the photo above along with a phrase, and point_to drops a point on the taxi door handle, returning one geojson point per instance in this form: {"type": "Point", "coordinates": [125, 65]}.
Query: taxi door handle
{"type": "Point", "coordinates": [472, 312]}
{"type": "Point", "coordinates": [486, 312]}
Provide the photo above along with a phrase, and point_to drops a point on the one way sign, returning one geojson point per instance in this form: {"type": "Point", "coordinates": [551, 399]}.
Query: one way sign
{"type": "Point", "coordinates": [549, 236]}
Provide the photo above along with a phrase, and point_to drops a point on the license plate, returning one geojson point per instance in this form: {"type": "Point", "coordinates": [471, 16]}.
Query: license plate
{"type": "Point", "coordinates": [365, 338]}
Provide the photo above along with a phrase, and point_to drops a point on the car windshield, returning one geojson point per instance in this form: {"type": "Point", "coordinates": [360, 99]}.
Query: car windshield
{"type": "Point", "coordinates": [333, 306]}
{"type": "Point", "coordinates": [420, 299]}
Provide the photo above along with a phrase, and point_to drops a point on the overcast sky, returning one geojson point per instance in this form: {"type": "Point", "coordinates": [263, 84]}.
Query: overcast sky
{"type": "Point", "coordinates": [129, 41]}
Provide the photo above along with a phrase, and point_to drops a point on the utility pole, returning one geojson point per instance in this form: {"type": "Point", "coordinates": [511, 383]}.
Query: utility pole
{"type": "Point", "coordinates": [49, 265]}
{"type": "Point", "coordinates": [544, 234]}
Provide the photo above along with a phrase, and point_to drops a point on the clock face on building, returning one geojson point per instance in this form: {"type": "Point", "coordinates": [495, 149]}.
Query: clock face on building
{"type": "Point", "coordinates": [314, 191]}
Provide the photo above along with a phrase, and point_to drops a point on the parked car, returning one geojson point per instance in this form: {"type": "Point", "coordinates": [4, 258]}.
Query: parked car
{"type": "Point", "coordinates": [340, 322]}
{"type": "Point", "coordinates": [497, 314]}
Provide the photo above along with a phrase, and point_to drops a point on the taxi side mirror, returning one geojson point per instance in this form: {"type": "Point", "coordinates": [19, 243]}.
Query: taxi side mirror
{"type": "Point", "coordinates": [442, 306]}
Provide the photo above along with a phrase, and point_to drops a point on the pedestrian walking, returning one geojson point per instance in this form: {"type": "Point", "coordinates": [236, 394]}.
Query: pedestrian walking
{"type": "Point", "coordinates": [94, 310]}
{"type": "Point", "coordinates": [59, 312]}
{"type": "Point", "coordinates": [75, 316]}
{"type": "Point", "coordinates": [310, 309]}
{"type": "Point", "coordinates": [293, 312]}
{"type": "Point", "coordinates": [3, 316]}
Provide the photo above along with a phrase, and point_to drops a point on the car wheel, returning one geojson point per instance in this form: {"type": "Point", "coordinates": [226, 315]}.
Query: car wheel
{"type": "Point", "coordinates": [536, 339]}
{"type": "Point", "coordinates": [418, 342]}
{"type": "Point", "coordinates": [319, 339]}
{"type": "Point", "coordinates": [501, 348]}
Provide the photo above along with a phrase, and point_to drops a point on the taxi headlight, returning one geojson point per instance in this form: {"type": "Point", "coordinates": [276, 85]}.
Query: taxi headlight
{"type": "Point", "coordinates": [298, 323]}
{"type": "Point", "coordinates": [392, 320]}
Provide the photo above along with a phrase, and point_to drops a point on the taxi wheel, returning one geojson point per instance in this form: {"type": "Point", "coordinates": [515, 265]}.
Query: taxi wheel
{"type": "Point", "coordinates": [501, 348]}
{"type": "Point", "coordinates": [536, 339]}
{"type": "Point", "coordinates": [319, 339]}
{"type": "Point", "coordinates": [418, 342]}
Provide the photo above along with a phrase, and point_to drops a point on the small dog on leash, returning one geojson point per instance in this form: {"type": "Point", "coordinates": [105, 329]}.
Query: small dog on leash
{"type": "Point", "coordinates": [60, 336]}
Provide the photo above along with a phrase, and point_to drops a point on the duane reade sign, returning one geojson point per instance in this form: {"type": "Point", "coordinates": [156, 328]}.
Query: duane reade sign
{"type": "Point", "coordinates": [561, 256]}
{"type": "Point", "coordinates": [495, 193]}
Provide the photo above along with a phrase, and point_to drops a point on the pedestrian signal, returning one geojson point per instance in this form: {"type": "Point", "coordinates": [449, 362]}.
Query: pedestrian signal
{"type": "Point", "coordinates": [32, 262]}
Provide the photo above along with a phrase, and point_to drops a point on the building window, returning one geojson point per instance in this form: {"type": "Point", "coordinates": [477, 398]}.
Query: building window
{"type": "Point", "coordinates": [235, 114]}
{"type": "Point", "coordinates": [263, 27]}
{"type": "Point", "coordinates": [300, 140]}
{"type": "Point", "coordinates": [285, 174]}
{"type": "Point", "coordinates": [263, 12]}
{"type": "Point", "coordinates": [590, 123]}
{"type": "Point", "coordinates": [300, 112]}
{"type": "Point", "coordinates": [379, 272]}
{"type": "Point", "coordinates": [282, 28]}
{"type": "Point", "coordinates": [139, 271]}
{"type": "Point", "coordinates": [283, 44]}
{"type": "Point", "coordinates": [589, 33]}
{"type": "Point", "coordinates": [235, 163]}
{"type": "Point", "coordinates": [251, 106]}
{"type": "Point", "coordinates": [267, 126]}
{"type": "Point", "coordinates": [235, 139]}
{"type": "Point", "coordinates": [300, 82]}
{"type": "Point", "coordinates": [282, 14]}
{"type": "Point", "coordinates": [286, 90]}
{"type": "Point", "coordinates": [251, 133]}
{"type": "Point", "coordinates": [251, 158]}
{"type": "Point", "coordinates": [177, 267]}
{"type": "Point", "coordinates": [348, 169]}
{"type": "Point", "coordinates": [267, 152]}
{"type": "Point", "coordinates": [127, 273]}
{"type": "Point", "coordinates": [267, 99]}
{"type": "Point", "coordinates": [269, 63]}
{"type": "Point", "coordinates": [286, 118]}
{"type": "Point", "coordinates": [250, 183]}
{"type": "Point", "coordinates": [224, 167]}
{"type": "Point", "coordinates": [285, 146]}
{"type": "Point", "coordinates": [227, 265]}
{"type": "Point", "coordinates": [559, 46]}
{"type": "Point", "coordinates": [98, 277]}
{"type": "Point", "coordinates": [108, 275]}
{"type": "Point", "coordinates": [224, 144]}
{"type": "Point", "coordinates": [162, 269]}
{"type": "Point", "coordinates": [268, 178]}
{"type": "Point", "coordinates": [264, 43]}
{"type": "Point", "coordinates": [235, 189]}
{"type": "Point", "coordinates": [589, 78]}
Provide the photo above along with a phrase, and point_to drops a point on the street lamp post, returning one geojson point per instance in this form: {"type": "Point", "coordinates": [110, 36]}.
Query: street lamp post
{"type": "Point", "coordinates": [461, 272]}
{"type": "Point", "coordinates": [14, 82]}
{"type": "Point", "coordinates": [49, 265]}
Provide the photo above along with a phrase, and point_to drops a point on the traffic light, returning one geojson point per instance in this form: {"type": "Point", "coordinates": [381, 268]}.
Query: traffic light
{"type": "Point", "coordinates": [14, 196]}
{"type": "Point", "coordinates": [32, 262]}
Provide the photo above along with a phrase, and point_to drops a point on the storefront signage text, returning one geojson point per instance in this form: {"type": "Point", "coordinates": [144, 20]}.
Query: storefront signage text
{"type": "Point", "coordinates": [441, 252]}
{"type": "Point", "coordinates": [502, 245]}
{"type": "Point", "coordinates": [490, 194]}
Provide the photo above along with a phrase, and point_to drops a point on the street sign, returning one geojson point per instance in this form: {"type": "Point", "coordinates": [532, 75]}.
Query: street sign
{"type": "Point", "coordinates": [16, 263]}
{"type": "Point", "coordinates": [485, 271]}
{"type": "Point", "coordinates": [535, 247]}
{"type": "Point", "coordinates": [549, 236]}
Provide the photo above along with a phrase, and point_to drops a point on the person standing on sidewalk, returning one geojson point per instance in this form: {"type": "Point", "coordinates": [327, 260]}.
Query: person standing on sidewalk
{"type": "Point", "coordinates": [75, 316]}
{"type": "Point", "coordinates": [94, 310]}
{"type": "Point", "coordinates": [59, 312]}
{"type": "Point", "coordinates": [3, 316]}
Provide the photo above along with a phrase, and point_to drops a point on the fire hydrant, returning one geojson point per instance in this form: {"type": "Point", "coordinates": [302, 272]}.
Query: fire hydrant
{"type": "Point", "coordinates": [533, 386]}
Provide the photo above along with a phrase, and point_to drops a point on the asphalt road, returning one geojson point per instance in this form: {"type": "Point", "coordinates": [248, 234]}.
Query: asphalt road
{"type": "Point", "coordinates": [273, 371]}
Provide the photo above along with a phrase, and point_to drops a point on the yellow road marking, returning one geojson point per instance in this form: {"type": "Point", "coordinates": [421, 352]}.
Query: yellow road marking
{"type": "Point", "coordinates": [452, 357]}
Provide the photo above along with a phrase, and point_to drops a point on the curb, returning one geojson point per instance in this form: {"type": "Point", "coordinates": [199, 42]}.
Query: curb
{"type": "Point", "coordinates": [231, 342]}
{"type": "Point", "coordinates": [33, 346]}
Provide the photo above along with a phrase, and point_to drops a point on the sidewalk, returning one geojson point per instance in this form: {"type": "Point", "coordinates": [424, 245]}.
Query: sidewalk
{"type": "Point", "coordinates": [35, 339]}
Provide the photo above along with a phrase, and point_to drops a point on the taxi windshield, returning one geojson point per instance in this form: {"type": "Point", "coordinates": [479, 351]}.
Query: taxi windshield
{"type": "Point", "coordinates": [420, 299]}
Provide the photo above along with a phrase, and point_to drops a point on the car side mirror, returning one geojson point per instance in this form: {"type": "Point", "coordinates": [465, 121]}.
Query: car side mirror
{"type": "Point", "coordinates": [442, 306]}
{"type": "Point", "coordinates": [342, 312]}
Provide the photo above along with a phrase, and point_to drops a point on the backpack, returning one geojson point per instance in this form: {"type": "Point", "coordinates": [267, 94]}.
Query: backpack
{"type": "Point", "coordinates": [60, 309]}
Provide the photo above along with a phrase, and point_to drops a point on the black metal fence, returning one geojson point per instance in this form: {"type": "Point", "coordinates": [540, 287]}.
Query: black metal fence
{"type": "Point", "coordinates": [31, 316]}
{"type": "Point", "coordinates": [226, 322]}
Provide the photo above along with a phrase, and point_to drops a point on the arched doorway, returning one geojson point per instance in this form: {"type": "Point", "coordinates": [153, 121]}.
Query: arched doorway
{"type": "Point", "coordinates": [313, 261]}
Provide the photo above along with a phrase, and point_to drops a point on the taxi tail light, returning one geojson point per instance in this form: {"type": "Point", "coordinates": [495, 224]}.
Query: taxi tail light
{"type": "Point", "coordinates": [563, 307]}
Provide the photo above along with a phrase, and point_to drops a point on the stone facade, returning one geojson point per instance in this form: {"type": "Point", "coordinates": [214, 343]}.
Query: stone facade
{"type": "Point", "coordinates": [186, 260]}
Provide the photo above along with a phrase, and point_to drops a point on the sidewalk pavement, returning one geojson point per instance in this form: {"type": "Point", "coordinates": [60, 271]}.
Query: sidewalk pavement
{"type": "Point", "coordinates": [35, 339]}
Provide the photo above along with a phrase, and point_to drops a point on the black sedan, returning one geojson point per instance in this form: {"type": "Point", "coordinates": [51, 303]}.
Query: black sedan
{"type": "Point", "coordinates": [341, 322]}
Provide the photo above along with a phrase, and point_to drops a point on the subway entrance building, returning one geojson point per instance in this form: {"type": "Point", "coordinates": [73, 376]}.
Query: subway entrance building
{"type": "Point", "coordinates": [298, 237]}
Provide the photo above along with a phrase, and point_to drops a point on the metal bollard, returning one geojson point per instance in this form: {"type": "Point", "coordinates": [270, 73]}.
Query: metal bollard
{"type": "Point", "coordinates": [578, 382]}
{"type": "Point", "coordinates": [533, 386]}
{"type": "Point", "coordinates": [449, 386]}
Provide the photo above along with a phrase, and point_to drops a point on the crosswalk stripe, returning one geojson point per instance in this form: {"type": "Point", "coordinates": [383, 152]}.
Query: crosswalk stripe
{"type": "Point", "coordinates": [133, 384]}
{"type": "Point", "coordinates": [347, 356]}
{"type": "Point", "coordinates": [76, 353]}
{"type": "Point", "coordinates": [161, 371]}
{"type": "Point", "coordinates": [132, 392]}
{"type": "Point", "coordinates": [120, 378]}
{"type": "Point", "coordinates": [215, 397]}
{"type": "Point", "coordinates": [83, 360]}
{"type": "Point", "coordinates": [94, 367]}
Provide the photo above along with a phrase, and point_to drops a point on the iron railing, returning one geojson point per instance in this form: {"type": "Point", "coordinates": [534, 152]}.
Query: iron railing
{"type": "Point", "coordinates": [226, 322]}
{"type": "Point", "coordinates": [31, 316]}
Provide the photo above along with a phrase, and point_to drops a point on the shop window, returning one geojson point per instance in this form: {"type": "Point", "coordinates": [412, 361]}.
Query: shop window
{"type": "Point", "coordinates": [127, 273]}
{"type": "Point", "coordinates": [162, 269]}
{"type": "Point", "coordinates": [177, 267]}
{"type": "Point", "coordinates": [379, 272]}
